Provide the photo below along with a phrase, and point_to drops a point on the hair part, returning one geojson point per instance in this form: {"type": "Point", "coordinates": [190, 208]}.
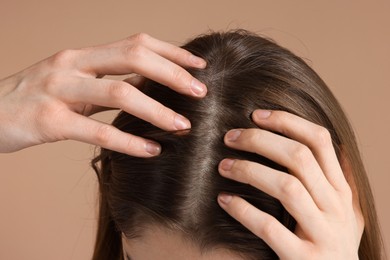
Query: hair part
{"type": "Point", "coordinates": [178, 189]}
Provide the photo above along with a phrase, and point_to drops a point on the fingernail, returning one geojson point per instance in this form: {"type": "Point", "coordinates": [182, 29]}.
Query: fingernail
{"type": "Point", "coordinates": [261, 114]}
{"type": "Point", "coordinates": [233, 135]}
{"type": "Point", "coordinates": [153, 148]}
{"type": "Point", "coordinates": [225, 198]}
{"type": "Point", "coordinates": [197, 87]}
{"type": "Point", "coordinates": [198, 61]}
{"type": "Point", "coordinates": [227, 164]}
{"type": "Point", "coordinates": [182, 123]}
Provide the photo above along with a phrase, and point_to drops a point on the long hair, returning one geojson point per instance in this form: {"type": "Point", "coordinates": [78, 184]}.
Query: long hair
{"type": "Point", "coordinates": [178, 189]}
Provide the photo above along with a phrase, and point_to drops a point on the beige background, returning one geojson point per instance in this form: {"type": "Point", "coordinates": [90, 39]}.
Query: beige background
{"type": "Point", "coordinates": [47, 193]}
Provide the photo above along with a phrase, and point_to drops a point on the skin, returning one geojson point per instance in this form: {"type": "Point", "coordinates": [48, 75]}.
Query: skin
{"type": "Point", "coordinates": [51, 100]}
{"type": "Point", "coordinates": [316, 193]}
{"type": "Point", "coordinates": [160, 243]}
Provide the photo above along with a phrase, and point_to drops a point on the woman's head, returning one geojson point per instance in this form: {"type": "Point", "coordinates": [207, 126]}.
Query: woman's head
{"type": "Point", "coordinates": [175, 193]}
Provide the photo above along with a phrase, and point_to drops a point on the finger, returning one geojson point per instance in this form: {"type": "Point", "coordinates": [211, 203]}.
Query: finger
{"type": "Point", "coordinates": [141, 60]}
{"type": "Point", "coordinates": [97, 133]}
{"type": "Point", "coordinates": [316, 137]}
{"type": "Point", "coordinates": [175, 54]}
{"type": "Point", "coordinates": [278, 237]}
{"type": "Point", "coordinates": [282, 186]}
{"type": "Point", "coordinates": [290, 154]}
{"type": "Point", "coordinates": [119, 94]}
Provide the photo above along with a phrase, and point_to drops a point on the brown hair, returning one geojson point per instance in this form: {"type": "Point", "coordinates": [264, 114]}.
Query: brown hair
{"type": "Point", "coordinates": [179, 188]}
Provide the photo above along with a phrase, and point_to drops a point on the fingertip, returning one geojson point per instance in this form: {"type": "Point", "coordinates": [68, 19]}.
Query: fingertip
{"type": "Point", "coordinates": [224, 199]}
{"type": "Point", "coordinates": [153, 148]}
{"type": "Point", "coordinates": [198, 88]}
{"type": "Point", "coordinates": [198, 62]}
{"type": "Point", "coordinates": [182, 123]}
{"type": "Point", "coordinates": [232, 135]}
{"type": "Point", "coordinates": [226, 165]}
{"type": "Point", "coordinates": [260, 114]}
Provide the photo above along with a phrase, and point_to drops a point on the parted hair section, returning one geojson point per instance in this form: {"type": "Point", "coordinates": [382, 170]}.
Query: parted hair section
{"type": "Point", "coordinates": [178, 189]}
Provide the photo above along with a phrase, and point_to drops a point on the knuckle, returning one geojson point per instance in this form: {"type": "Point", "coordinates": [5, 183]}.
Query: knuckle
{"type": "Point", "coordinates": [323, 136]}
{"type": "Point", "coordinates": [118, 91]}
{"type": "Point", "coordinates": [63, 58]}
{"type": "Point", "coordinates": [252, 136]}
{"type": "Point", "coordinates": [267, 227]}
{"type": "Point", "coordinates": [290, 187]}
{"type": "Point", "coordinates": [103, 134]}
{"type": "Point", "coordinates": [140, 38]}
{"type": "Point", "coordinates": [178, 74]}
{"type": "Point", "coordinates": [301, 156]}
{"type": "Point", "coordinates": [243, 211]}
{"type": "Point", "coordinates": [134, 52]}
{"type": "Point", "coordinates": [247, 172]}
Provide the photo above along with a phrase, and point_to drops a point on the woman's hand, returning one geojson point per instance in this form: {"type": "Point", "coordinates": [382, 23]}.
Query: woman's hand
{"type": "Point", "coordinates": [51, 100]}
{"type": "Point", "coordinates": [316, 193]}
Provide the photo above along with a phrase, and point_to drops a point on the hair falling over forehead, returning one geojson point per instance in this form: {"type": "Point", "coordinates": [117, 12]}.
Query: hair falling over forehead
{"type": "Point", "coordinates": [178, 189]}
